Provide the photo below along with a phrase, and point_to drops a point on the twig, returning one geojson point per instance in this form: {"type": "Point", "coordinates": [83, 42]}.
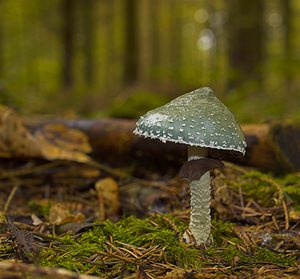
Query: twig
{"type": "Point", "coordinates": [286, 215]}
{"type": "Point", "coordinates": [125, 259]}
{"type": "Point", "coordinates": [21, 172]}
{"type": "Point", "coordinates": [21, 270]}
{"type": "Point", "coordinates": [9, 199]}
{"type": "Point", "coordinates": [295, 225]}
{"type": "Point", "coordinates": [151, 250]}
{"type": "Point", "coordinates": [124, 175]}
{"type": "Point", "coordinates": [275, 223]}
{"type": "Point", "coordinates": [129, 252]}
{"type": "Point", "coordinates": [241, 197]}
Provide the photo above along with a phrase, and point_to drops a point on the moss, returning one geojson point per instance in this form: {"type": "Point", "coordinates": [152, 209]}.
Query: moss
{"type": "Point", "coordinates": [228, 247]}
{"type": "Point", "coordinates": [69, 253]}
{"type": "Point", "coordinates": [6, 250]}
{"type": "Point", "coordinates": [223, 231]}
{"type": "Point", "coordinates": [91, 251]}
{"type": "Point", "coordinates": [39, 209]}
{"type": "Point", "coordinates": [227, 254]}
{"type": "Point", "coordinates": [263, 187]}
{"type": "Point", "coordinates": [264, 255]}
{"type": "Point", "coordinates": [225, 242]}
{"type": "Point", "coordinates": [291, 186]}
{"type": "Point", "coordinates": [74, 254]}
{"type": "Point", "coordinates": [258, 186]}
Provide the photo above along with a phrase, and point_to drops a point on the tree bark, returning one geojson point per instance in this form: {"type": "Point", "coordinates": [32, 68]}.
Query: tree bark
{"type": "Point", "coordinates": [272, 147]}
{"type": "Point", "coordinates": [68, 43]}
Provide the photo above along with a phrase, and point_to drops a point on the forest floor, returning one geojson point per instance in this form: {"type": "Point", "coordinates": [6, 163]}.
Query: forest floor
{"type": "Point", "coordinates": [64, 215]}
{"type": "Point", "coordinates": [105, 223]}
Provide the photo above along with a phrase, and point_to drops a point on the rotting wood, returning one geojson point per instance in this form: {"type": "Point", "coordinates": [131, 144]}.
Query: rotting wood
{"type": "Point", "coordinates": [271, 146]}
{"type": "Point", "coordinates": [22, 270]}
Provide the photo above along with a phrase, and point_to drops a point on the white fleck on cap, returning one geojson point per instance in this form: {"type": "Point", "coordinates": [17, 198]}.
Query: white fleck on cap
{"type": "Point", "coordinates": [197, 118]}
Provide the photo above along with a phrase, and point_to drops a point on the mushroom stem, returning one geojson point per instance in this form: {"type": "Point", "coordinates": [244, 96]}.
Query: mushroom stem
{"type": "Point", "coordinates": [200, 220]}
{"type": "Point", "coordinates": [196, 152]}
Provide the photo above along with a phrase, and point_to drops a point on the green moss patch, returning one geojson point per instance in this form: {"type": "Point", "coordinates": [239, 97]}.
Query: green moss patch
{"type": "Point", "coordinates": [125, 245]}
{"type": "Point", "coordinates": [155, 246]}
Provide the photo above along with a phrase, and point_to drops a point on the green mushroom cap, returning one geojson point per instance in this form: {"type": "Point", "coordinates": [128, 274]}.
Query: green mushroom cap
{"type": "Point", "coordinates": [197, 118]}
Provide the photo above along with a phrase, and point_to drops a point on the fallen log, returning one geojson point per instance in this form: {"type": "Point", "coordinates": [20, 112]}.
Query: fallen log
{"type": "Point", "coordinates": [271, 146]}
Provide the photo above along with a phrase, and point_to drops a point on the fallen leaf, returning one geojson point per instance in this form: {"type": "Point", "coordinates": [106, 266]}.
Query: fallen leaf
{"type": "Point", "coordinates": [28, 248]}
{"type": "Point", "coordinates": [36, 221]}
{"type": "Point", "coordinates": [109, 198]}
{"type": "Point", "coordinates": [60, 214]}
{"type": "Point", "coordinates": [15, 139]}
{"type": "Point", "coordinates": [77, 170]}
{"type": "Point", "coordinates": [294, 214]}
{"type": "Point", "coordinates": [51, 141]}
{"type": "Point", "coordinates": [60, 142]}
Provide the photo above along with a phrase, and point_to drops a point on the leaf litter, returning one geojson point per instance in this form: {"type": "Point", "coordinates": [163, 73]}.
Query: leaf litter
{"type": "Point", "coordinates": [89, 218]}
{"type": "Point", "coordinates": [255, 225]}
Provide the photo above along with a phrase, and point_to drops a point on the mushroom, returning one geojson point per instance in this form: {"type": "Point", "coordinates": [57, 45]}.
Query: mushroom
{"type": "Point", "coordinates": [202, 122]}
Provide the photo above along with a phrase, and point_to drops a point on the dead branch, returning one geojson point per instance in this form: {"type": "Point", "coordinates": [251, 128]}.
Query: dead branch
{"type": "Point", "coordinates": [21, 270]}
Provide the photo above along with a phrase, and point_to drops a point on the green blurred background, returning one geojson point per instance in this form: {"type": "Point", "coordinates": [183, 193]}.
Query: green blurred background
{"type": "Point", "coordinates": [94, 58]}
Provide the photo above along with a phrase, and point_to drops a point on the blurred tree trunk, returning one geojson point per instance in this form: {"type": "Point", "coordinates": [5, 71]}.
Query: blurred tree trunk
{"type": "Point", "coordinates": [144, 40]}
{"type": "Point", "coordinates": [1, 53]}
{"type": "Point", "coordinates": [246, 45]}
{"type": "Point", "coordinates": [68, 42]}
{"type": "Point", "coordinates": [2, 41]}
{"type": "Point", "coordinates": [154, 37]}
{"type": "Point", "coordinates": [89, 31]}
{"type": "Point", "coordinates": [213, 26]}
{"type": "Point", "coordinates": [176, 39]}
{"type": "Point", "coordinates": [131, 46]}
{"type": "Point", "coordinates": [110, 45]}
{"type": "Point", "coordinates": [165, 37]}
{"type": "Point", "coordinates": [287, 25]}
{"type": "Point", "coordinates": [5, 97]}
